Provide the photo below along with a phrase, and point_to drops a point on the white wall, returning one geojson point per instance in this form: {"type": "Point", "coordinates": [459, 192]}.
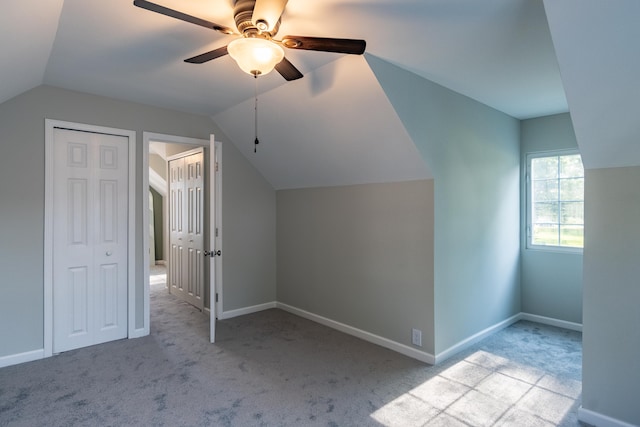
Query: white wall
{"type": "Point", "coordinates": [611, 337]}
{"type": "Point", "coordinates": [158, 164]}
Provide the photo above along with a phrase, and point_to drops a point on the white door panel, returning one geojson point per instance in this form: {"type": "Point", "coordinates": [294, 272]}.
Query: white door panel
{"type": "Point", "coordinates": [90, 230]}
{"type": "Point", "coordinates": [186, 219]}
{"type": "Point", "coordinates": [195, 226]}
{"type": "Point", "coordinates": [215, 235]}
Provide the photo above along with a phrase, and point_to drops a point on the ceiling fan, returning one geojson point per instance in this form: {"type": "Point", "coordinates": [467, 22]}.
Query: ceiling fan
{"type": "Point", "coordinates": [257, 52]}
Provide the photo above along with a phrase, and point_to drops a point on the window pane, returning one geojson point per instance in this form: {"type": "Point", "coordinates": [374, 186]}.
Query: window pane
{"type": "Point", "coordinates": [572, 189]}
{"type": "Point", "coordinates": [572, 235]}
{"type": "Point", "coordinates": [571, 166]}
{"type": "Point", "coordinates": [544, 168]}
{"type": "Point", "coordinates": [545, 213]}
{"type": "Point", "coordinates": [556, 200]}
{"type": "Point", "coordinates": [545, 234]}
{"type": "Point", "coordinates": [545, 190]}
{"type": "Point", "coordinates": [572, 213]}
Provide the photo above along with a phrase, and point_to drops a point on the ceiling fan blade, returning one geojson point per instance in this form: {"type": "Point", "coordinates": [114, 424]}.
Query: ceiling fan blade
{"type": "Point", "coordinates": [182, 16]}
{"type": "Point", "coordinates": [288, 70]}
{"type": "Point", "coordinates": [268, 11]}
{"type": "Point", "coordinates": [208, 56]}
{"type": "Point", "coordinates": [350, 46]}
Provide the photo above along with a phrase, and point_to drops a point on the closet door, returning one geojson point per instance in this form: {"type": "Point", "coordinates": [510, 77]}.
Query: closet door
{"type": "Point", "coordinates": [176, 228]}
{"type": "Point", "coordinates": [90, 249]}
{"type": "Point", "coordinates": [194, 218]}
{"type": "Point", "coordinates": [186, 219]}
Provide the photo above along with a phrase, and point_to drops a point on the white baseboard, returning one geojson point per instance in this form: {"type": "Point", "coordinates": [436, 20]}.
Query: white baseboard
{"type": "Point", "coordinates": [359, 333]}
{"type": "Point", "coordinates": [14, 359]}
{"type": "Point", "coordinates": [425, 357]}
{"type": "Point", "coordinates": [475, 338]}
{"type": "Point", "coordinates": [600, 420]}
{"type": "Point", "coordinates": [139, 333]}
{"type": "Point", "coordinates": [551, 321]}
{"type": "Point", "coordinates": [246, 310]}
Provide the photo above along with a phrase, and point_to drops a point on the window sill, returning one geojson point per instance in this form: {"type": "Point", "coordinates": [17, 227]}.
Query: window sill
{"type": "Point", "coordinates": [555, 249]}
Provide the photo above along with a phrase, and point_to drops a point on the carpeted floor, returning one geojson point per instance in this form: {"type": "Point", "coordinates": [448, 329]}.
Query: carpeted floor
{"type": "Point", "coordinates": [275, 369]}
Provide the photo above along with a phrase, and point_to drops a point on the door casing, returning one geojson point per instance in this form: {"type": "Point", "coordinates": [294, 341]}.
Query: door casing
{"type": "Point", "coordinates": [215, 147]}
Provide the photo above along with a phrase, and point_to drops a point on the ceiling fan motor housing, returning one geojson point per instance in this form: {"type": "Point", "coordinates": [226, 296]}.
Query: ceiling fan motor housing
{"type": "Point", "coordinates": [243, 15]}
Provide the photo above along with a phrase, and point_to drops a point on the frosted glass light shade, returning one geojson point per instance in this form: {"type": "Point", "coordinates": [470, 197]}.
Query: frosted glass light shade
{"type": "Point", "coordinates": [255, 56]}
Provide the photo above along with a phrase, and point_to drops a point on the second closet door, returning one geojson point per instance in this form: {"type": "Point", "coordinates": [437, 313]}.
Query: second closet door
{"type": "Point", "coordinates": [186, 221]}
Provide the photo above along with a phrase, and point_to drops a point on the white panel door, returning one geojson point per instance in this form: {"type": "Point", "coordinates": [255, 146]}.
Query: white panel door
{"type": "Point", "coordinates": [176, 227]}
{"type": "Point", "coordinates": [90, 210]}
{"type": "Point", "coordinates": [194, 246]}
{"type": "Point", "coordinates": [186, 219]}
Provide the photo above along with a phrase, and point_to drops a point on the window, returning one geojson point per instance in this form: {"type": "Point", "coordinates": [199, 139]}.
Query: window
{"type": "Point", "coordinates": [556, 201]}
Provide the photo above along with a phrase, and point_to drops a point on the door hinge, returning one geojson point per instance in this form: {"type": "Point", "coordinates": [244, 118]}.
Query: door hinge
{"type": "Point", "coordinates": [216, 297]}
{"type": "Point", "coordinates": [216, 166]}
{"type": "Point", "coordinates": [216, 231]}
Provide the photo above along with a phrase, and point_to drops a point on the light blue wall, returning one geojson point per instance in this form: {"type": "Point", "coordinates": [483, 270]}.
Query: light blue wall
{"type": "Point", "coordinates": [611, 337]}
{"type": "Point", "coordinates": [474, 153]}
{"type": "Point", "coordinates": [551, 280]}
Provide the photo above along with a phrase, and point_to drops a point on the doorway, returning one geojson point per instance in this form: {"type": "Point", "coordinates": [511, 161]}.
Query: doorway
{"type": "Point", "coordinates": [158, 150]}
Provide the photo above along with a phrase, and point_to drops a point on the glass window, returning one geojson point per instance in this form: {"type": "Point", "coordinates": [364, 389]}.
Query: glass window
{"type": "Point", "coordinates": [556, 201]}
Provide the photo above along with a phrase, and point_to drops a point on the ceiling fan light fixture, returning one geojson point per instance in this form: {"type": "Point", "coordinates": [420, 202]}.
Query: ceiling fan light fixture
{"type": "Point", "coordinates": [255, 56]}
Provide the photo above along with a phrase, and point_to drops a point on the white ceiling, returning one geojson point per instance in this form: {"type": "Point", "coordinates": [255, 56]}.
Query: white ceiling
{"type": "Point", "coordinates": [496, 51]}
{"type": "Point", "coordinates": [27, 32]}
{"type": "Point", "coordinates": [334, 126]}
{"type": "Point", "coordinates": [345, 131]}
{"type": "Point", "coordinates": [599, 53]}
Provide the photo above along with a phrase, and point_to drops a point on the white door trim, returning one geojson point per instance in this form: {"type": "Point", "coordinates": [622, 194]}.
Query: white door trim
{"type": "Point", "coordinates": [50, 126]}
{"type": "Point", "coordinates": [147, 138]}
{"type": "Point", "coordinates": [218, 223]}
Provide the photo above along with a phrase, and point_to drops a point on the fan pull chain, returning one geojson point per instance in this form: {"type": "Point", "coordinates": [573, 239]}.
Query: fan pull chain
{"type": "Point", "coordinates": [256, 141]}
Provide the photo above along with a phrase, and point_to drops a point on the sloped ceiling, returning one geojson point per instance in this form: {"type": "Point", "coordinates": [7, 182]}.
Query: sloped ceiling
{"type": "Point", "coordinates": [27, 30]}
{"type": "Point", "coordinates": [498, 52]}
{"type": "Point", "coordinates": [598, 45]}
{"type": "Point", "coordinates": [345, 131]}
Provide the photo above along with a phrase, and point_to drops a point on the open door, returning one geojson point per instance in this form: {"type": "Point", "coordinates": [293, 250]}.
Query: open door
{"type": "Point", "coordinates": [215, 234]}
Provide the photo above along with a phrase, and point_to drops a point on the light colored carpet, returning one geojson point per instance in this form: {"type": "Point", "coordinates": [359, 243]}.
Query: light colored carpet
{"type": "Point", "coordinates": [276, 369]}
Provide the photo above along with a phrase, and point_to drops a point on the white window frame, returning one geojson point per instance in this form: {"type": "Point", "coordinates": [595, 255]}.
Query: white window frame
{"type": "Point", "coordinates": [529, 205]}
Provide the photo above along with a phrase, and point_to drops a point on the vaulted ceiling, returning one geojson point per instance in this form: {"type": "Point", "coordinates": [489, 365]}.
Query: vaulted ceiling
{"type": "Point", "coordinates": [334, 126]}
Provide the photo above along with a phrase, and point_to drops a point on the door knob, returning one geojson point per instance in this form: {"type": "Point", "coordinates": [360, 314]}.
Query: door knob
{"type": "Point", "coordinates": [213, 253]}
